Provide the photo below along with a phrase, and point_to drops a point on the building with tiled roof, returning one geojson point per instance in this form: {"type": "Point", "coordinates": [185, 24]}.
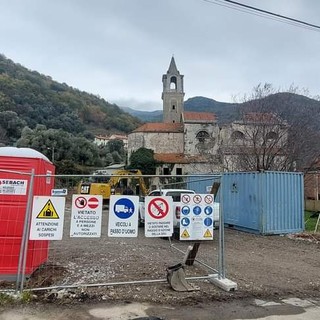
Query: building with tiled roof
{"type": "Point", "coordinates": [103, 140]}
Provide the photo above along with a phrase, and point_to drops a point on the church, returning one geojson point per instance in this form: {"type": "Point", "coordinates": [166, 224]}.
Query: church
{"type": "Point", "coordinates": [185, 142]}
{"type": "Point", "coordinates": [194, 143]}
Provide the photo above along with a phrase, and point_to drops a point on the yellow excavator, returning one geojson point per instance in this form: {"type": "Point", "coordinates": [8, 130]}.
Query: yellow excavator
{"type": "Point", "coordinates": [120, 182]}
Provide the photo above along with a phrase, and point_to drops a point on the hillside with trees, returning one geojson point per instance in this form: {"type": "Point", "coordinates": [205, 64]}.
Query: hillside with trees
{"type": "Point", "coordinates": [56, 119]}
{"type": "Point", "coordinates": [28, 98]}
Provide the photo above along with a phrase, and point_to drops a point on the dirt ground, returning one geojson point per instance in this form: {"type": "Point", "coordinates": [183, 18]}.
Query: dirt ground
{"type": "Point", "coordinates": [262, 266]}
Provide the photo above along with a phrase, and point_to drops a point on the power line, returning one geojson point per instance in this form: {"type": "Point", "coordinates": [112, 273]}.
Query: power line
{"type": "Point", "coordinates": [264, 13]}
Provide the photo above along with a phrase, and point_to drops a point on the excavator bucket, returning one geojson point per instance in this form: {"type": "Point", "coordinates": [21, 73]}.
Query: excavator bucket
{"type": "Point", "coordinates": [176, 277]}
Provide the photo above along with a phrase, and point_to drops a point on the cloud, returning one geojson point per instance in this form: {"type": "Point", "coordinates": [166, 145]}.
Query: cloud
{"type": "Point", "coordinates": [119, 49]}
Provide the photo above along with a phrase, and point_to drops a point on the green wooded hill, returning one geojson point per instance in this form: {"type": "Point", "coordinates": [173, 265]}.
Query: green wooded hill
{"type": "Point", "coordinates": [28, 98]}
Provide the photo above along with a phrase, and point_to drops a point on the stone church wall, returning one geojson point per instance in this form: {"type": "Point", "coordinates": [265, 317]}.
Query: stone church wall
{"type": "Point", "coordinates": [159, 142]}
{"type": "Point", "coordinates": [201, 146]}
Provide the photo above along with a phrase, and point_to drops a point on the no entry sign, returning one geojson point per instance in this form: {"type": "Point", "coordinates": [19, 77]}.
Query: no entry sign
{"type": "Point", "coordinates": [158, 217]}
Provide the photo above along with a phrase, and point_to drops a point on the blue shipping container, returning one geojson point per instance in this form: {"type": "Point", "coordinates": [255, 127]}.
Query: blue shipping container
{"type": "Point", "coordinates": [203, 183]}
{"type": "Point", "coordinates": [264, 202]}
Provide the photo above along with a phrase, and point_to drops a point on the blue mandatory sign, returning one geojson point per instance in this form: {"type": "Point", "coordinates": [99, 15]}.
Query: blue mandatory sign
{"type": "Point", "coordinates": [197, 210]}
{"type": "Point", "coordinates": [207, 222]}
{"type": "Point", "coordinates": [208, 210]}
{"type": "Point", "coordinates": [185, 221]}
{"type": "Point", "coordinates": [185, 210]}
{"type": "Point", "coordinates": [123, 208]}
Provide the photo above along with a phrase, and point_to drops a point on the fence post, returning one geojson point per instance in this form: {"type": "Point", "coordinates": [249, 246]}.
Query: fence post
{"type": "Point", "coordinates": [222, 272]}
{"type": "Point", "coordinates": [25, 238]}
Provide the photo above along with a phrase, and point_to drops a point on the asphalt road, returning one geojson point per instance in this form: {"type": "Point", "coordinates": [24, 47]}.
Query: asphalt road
{"type": "Point", "coordinates": [291, 309]}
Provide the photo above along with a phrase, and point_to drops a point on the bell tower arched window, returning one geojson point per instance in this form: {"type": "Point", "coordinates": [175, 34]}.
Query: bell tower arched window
{"type": "Point", "coordinates": [173, 83]}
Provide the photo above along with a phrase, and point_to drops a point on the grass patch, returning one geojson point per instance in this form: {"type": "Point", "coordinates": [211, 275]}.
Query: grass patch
{"type": "Point", "coordinates": [310, 220]}
{"type": "Point", "coordinates": [5, 299]}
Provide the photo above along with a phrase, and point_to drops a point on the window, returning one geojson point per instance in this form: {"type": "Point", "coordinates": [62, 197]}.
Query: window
{"type": "Point", "coordinates": [173, 83]}
{"type": "Point", "coordinates": [271, 136]}
{"type": "Point", "coordinates": [155, 193]}
{"type": "Point", "coordinates": [166, 171]}
{"type": "Point", "coordinates": [178, 171]}
{"type": "Point", "coordinates": [202, 136]}
{"type": "Point", "coordinates": [173, 107]}
{"type": "Point", "coordinates": [237, 135]}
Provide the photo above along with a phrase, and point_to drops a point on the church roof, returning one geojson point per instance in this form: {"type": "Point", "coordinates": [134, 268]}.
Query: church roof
{"type": "Point", "coordinates": [259, 117]}
{"type": "Point", "coordinates": [172, 68]}
{"type": "Point", "coordinates": [199, 117]}
{"type": "Point", "coordinates": [178, 158]}
{"type": "Point", "coordinates": [160, 127]}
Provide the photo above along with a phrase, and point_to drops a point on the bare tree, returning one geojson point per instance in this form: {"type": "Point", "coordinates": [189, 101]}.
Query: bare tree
{"type": "Point", "coordinates": [277, 131]}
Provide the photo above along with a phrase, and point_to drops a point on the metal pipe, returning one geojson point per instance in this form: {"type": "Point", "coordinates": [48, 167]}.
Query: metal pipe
{"type": "Point", "coordinates": [200, 262]}
{"type": "Point", "coordinates": [26, 231]}
{"type": "Point", "coordinates": [23, 237]}
{"type": "Point", "coordinates": [105, 284]}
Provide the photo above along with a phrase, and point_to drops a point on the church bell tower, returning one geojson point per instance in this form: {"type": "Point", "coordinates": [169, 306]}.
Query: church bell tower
{"type": "Point", "coordinates": [172, 94]}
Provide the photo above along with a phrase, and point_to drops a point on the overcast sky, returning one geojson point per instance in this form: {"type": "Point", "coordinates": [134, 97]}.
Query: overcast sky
{"type": "Point", "coordinates": [119, 49]}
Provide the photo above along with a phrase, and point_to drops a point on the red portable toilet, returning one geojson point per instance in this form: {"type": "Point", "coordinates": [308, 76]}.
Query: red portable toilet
{"type": "Point", "coordinates": [16, 165]}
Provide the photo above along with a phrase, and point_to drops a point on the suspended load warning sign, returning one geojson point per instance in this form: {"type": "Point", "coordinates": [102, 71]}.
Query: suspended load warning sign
{"type": "Point", "coordinates": [48, 211]}
{"type": "Point", "coordinates": [47, 218]}
{"type": "Point", "coordinates": [196, 219]}
{"type": "Point", "coordinates": [158, 217]}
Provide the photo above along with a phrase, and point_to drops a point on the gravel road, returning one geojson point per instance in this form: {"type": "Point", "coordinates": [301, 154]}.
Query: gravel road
{"type": "Point", "coordinates": [262, 266]}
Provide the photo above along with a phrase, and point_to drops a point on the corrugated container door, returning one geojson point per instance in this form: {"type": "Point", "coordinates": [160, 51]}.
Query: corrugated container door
{"type": "Point", "coordinates": [241, 200]}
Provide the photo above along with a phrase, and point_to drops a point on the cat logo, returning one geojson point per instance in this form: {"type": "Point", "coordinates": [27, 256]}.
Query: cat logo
{"type": "Point", "coordinates": [48, 211]}
{"type": "Point", "coordinates": [185, 234]}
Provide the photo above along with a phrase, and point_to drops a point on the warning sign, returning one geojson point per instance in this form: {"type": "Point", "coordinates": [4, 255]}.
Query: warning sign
{"type": "Point", "coordinates": [48, 212]}
{"type": "Point", "coordinates": [185, 234]}
{"type": "Point", "coordinates": [47, 218]}
{"type": "Point", "coordinates": [159, 217]}
{"type": "Point", "coordinates": [207, 234]}
{"type": "Point", "coordinates": [196, 219]}
{"type": "Point", "coordinates": [86, 214]}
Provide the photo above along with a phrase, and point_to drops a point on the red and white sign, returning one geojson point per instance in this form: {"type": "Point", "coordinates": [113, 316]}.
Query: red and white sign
{"type": "Point", "coordinates": [80, 202]}
{"type": "Point", "coordinates": [208, 199]}
{"type": "Point", "coordinates": [93, 203]}
{"type": "Point", "coordinates": [86, 216]}
{"type": "Point", "coordinates": [158, 208]}
{"type": "Point", "coordinates": [197, 198]}
{"type": "Point", "coordinates": [159, 217]}
{"type": "Point", "coordinates": [185, 198]}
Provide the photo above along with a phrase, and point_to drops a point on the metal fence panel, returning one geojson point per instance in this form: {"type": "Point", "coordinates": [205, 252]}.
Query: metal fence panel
{"type": "Point", "coordinates": [77, 262]}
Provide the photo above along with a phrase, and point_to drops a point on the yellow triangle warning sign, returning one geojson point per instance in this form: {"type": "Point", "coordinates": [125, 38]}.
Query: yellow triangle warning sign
{"type": "Point", "coordinates": [185, 234]}
{"type": "Point", "coordinates": [48, 211]}
{"type": "Point", "coordinates": [207, 234]}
